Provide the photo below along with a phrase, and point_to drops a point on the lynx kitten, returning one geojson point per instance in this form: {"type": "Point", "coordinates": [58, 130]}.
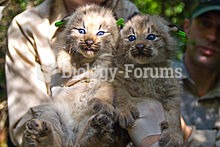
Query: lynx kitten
{"type": "Point", "coordinates": [146, 46]}
{"type": "Point", "coordinates": [83, 114]}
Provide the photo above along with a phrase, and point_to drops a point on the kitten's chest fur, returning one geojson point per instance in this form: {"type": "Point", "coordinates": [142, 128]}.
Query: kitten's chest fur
{"type": "Point", "coordinates": [145, 86]}
{"type": "Point", "coordinates": [141, 87]}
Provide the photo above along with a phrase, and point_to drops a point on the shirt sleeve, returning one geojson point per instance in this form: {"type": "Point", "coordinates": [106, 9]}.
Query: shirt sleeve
{"type": "Point", "coordinates": [25, 81]}
{"type": "Point", "coordinates": [202, 138]}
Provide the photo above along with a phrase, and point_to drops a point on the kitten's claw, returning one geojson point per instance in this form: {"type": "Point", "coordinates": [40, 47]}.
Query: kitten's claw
{"type": "Point", "coordinates": [101, 121]}
{"type": "Point", "coordinates": [99, 106]}
{"type": "Point", "coordinates": [127, 116]}
{"type": "Point", "coordinates": [103, 124]}
{"type": "Point", "coordinates": [37, 132]}
{"type": "Point", "coordinates": [38, 127]}
{"type": "Point", "coordinates": [97, 132]}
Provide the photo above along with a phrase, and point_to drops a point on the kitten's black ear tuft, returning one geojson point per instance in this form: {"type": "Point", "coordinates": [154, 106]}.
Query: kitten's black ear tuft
{"type": "Point", "coordinates": [173, 28]}
{"type": "Point", "coordinates": [134, 14]}
{"type": "Point", "coordinates": [177, 30]}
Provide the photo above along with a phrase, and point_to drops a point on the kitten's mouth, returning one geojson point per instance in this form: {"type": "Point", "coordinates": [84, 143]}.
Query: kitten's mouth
{"type": "Point", "coordinates": [89, 52]}
{"type": "Point", "coordinates": [88, 49]}
{"type": "Point", "coordinates": [141, 50]}
{"type": "Point", "coordinates": [142, 54]}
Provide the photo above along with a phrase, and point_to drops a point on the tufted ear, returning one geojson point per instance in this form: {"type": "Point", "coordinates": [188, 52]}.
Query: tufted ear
{"type": "Point", "coordinates": [63, 22]}
{"type": "Point", "coordinates": [134, 14]}
{"type": "Point", "coordinates": [169, 27]}
{"type": "Point", "coordinates": [177, 30]}
{"type": "Point", "coordinates": [173, 28]}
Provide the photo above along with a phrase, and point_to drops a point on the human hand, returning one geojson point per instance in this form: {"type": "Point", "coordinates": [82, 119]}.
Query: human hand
{"type": "Point", "coordinates": [146, 130]}
{"type": "Point", "coordinates": [187, 130]}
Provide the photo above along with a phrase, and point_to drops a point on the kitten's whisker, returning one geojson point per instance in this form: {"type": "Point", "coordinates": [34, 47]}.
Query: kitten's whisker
{"type": "Point", "coordinates": [116, 55]}
{"type": "Point", "coordinates": [104, 59]}
{"type": "Point", "coordinates": [74, 50]}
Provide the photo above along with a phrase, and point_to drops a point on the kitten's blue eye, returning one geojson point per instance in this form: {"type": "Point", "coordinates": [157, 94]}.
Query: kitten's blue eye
{"type": "Point", "coordinates": [82, 31]}
{"type": "Point", "coordinates": [100, 33]}
{"type": "Point", "coordinates": [131, 38]}
{"type": "Point", "coordinates": [151, 37]}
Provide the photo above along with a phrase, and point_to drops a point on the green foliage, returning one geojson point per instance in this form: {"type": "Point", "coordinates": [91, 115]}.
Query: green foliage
{"type": "Point", "coordinates": [37, 2]}
{"type": "Point", "coordinates": [171, 10]}
{"type": "Point", "coordinates": [148, 6]}
{"type": "Point", "coordinates": [23, 4]}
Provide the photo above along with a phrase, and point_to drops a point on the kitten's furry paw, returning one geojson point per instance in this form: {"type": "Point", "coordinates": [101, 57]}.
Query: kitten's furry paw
{"type": "Point", "coordinates": [37, 132]}
{"type": "Point", "coordinates": [103, 127]}
{"type": "Point", "coordinates": [102, 123]}
{"type": "Point", "coordinates": [98, 132]}
{"type": "Point", "coordinates": [101, 107]}
{"type": "Point", "coordinates": [170, 137]}
{"type": "Point", "coordinates": [127, 116]}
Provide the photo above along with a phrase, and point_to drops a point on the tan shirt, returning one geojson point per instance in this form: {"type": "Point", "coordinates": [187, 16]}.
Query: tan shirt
{"type": "Point", "coordinates": [30, 37]}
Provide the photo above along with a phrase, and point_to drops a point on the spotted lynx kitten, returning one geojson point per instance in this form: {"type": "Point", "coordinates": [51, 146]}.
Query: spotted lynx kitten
{"type": "Point", "coordinates": [84, 116]}
{"type": "Point", "coordinates": [146, 42]}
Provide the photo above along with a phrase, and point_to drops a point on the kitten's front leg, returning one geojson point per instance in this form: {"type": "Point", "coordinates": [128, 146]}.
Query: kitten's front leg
{"type": "Point", "coordinates": [47, 128]}
{"type": "Point", "coordinates": [64, 63]}
{"type": "Point", "coordinates": [102, 100]}
{"type": "Point", "coordinates": [171, 128]}
{"type": "Point", "coordinates": [171, 134]}
{"type": "Point", "coordinates": [126, 110]}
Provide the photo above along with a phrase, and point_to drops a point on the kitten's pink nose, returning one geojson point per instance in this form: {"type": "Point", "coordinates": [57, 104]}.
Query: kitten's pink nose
{"type": "Point", "coordinates": [140, 46]}
{"type": "Point", "coordinates": [89, 41]}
